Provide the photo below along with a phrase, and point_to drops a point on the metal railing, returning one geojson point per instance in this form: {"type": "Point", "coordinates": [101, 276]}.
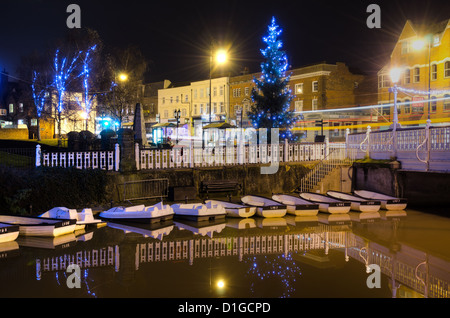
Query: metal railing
{"type": "Point", "coordinates": [421, 149]}
{"type": "Point", "coordinates": [144, 189]}
{"type": "Point", "coordinates": [190, 157]}
{"type": "Point", "coordinates": [337, 156]}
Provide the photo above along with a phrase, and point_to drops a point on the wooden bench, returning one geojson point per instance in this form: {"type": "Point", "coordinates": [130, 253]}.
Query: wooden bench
{"type": "Point", "coordinates": [229, 186]}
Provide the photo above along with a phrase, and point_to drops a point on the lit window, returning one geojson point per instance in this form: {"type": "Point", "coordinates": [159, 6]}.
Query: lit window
{"type": "Point", "coordinates": [11, 108]}
{"type": "Point", "coordinates": [299, 88]}
{"type": "Point", "coordinates": [447, 102]}
{"type": "Point", "coordinates": [407, 106]}
{"type": "Point", "coordinates": [447, 69]}
{"type": "Point", "coordinates": [433, 104]}
{"type": "Point", "coordinates": [407, 78]}
{"type": "Point", "coordinates": [416, 75]}
{"type": "Point", "coordinates": [434, 72]}
{"type": "Point", "coordinates": [405, 47]}
{"type": "Point", "coordinates": [383, 81]}
{"type": "Point", "coordinates": [299, 106]}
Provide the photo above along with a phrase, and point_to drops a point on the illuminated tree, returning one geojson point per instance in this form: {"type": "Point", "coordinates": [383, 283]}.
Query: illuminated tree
{"type": "Point", "coordinates": [272, 98]}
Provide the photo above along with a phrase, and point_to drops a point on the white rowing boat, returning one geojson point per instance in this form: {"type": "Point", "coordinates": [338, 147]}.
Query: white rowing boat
{"type": "Point", "coordinates": [8, 232]}
{"type": "Point", "coordinates": [327, 204]}
{"type": "Point", "coordinates": [387, 202]}
{"type": "Point", "coordinates": [357, 203]}
{"type": "Point", "coordinates": [235, 210]}
{"type": "Point", "coordinates": [83, 218]}
{"type": "Point", "coordinates": [265, 207]}
{"type": "Point", "coordinates": [199, 212]}
{"type": "Point", "coordinates": [40, 226]}
{"type": "Point", "coordinates": [297, 206]}
{"type": "Point", "coordinates": [139, 213]}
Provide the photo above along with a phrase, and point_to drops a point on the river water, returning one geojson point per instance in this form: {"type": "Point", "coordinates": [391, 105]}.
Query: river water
{"type": "Point", "coordinates": [327, 256]}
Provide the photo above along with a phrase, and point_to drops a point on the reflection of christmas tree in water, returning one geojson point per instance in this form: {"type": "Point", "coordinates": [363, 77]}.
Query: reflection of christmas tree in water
{"type": "Point", "coordinates": [273, 270]}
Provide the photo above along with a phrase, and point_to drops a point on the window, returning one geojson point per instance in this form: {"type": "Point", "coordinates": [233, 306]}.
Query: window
{"type": "Point", "coordinates": [11, 108]}
{"type": "Point", "coordinates": [315, 86]}
{"type": "Point", "coordinates": [416, 75]}
{"type": "Point", "coordinates": [246, 91]}
{"type": "Point", "coordinates": [407, 106]}
{"type": "Point", "coordinates": [447, 102]}
{"type": "Point", "coordinates": [434, 72]}
{"type": "Point", "coordinates": [183, 112]}
{"type": "Point", "coordinates": [407, 76]}
{"type": "Point", "coordinates": [163, 100]}
{"type": "Point", "coordinates": [20, 107]}
{"type": "Point", "coordinates": [222, 108]}
{"type": "Point", "coordinates": [195, 109]}
{"type": "Point", "coordinates": [195, 93]}
{"type": "Point", "coordinates": [215, 108]}
{"type": "Point", "coordinates": [215, 91]}
{"type": "Point", "coordinates": [299, 88]}
{"type": "Point", "coordinates": [186, 98]}
{"type": "Point", "coordinates": [2, 112]}
{"type": "Point", "coordinates": [201, 92]}
{"type": "Point", "coordinates": [201, 109]}
{"type": "Point", "coordinates": [34, 122]}
{"type": "Point", "coordinates": [447, 69]}
{"type": "Point", "coordinates": [436, 40]}
{"type": "Point", "coordinates": [298, 105]}
{"type": "Point", "coordinates": [221, 91]}
{"type": "Point", "coordinates": [383, 81]}
{"type": "Point", "coordinates": [405, 47]}
{"type": "Point", "coordinates": [433, 104]}
{"type": "Point", "coordinates": [166, 114]}
{"type": "Point", "coordinates": [314, 104]}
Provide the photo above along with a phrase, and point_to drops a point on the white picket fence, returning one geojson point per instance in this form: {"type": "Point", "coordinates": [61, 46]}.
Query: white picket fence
{"type": "Point", "coordinates": [420, 149]}
{"type": "Point", "coordinates": [104, 160]}
{"type": "Point", "coordinates": [190, 157]}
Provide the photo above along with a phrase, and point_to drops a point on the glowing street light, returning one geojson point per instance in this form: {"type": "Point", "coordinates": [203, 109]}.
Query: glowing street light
{"type": "Point", "coordinates": [395, 77]}
{"type": "Point", "coordinates": [221, 58]}
{"type": "Point", "coordinates": [123, 77]}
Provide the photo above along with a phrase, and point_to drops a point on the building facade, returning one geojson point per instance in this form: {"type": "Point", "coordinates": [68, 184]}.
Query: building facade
{"type": "Point", "coordinates": [422, 53]}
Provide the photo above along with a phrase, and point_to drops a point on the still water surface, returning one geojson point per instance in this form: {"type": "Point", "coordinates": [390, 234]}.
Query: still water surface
{"type": "Point", "coordinates": [271, 258]}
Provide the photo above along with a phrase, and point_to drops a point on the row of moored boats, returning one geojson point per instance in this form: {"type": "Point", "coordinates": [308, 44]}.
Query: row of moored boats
{"type": "Point", "coordinates": [60, 220]}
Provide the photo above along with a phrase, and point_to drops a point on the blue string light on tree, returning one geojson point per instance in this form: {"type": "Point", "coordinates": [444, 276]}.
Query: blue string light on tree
{"type": "Point", "coordinates": [272, 94]}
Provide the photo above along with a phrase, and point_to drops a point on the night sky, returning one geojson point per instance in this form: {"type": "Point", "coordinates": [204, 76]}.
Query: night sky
{"type": "Point", "coordinates": [175, 36]}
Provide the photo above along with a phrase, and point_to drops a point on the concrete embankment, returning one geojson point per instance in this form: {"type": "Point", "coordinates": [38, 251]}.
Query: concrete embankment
{"type": "Point", "coordinates": [252, 181]}
{"type": "Point", "coordinates": [422, 189]}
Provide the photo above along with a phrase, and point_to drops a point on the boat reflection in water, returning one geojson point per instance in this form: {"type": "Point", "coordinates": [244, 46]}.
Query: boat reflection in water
{"type": "Point", "coordinates": [256, 257]}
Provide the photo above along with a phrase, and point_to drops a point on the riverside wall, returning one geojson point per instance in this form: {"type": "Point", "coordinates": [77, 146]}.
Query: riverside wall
{"type": "Point", "coordinates": [422, 189]}
{"type": "Point", "coordinates": [286, 179]}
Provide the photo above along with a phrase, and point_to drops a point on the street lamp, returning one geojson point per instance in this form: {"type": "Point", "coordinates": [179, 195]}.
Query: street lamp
{"type": "Point", "coordinates": [177, 115]}
{"type": "Point", "coordinates": [395, 77]}
{"type": "Point", "coordinates": [419, 45]}
{"type": "Point", "coordinates": [221, 58]}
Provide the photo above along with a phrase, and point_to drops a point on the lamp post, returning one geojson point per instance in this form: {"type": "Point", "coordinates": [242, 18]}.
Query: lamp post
{"type": "Point", "coordinates": [221, 58]}
{"type": "Point", "coordinates": [395, 77]}
{"type": "Point", "coordinates": [176, 115]}
{"type": "Point", "coordinates": [123, 78]}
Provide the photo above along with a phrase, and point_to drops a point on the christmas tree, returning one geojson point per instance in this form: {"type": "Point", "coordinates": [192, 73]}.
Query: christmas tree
{"type": "Point", "coordinates": [271, 97]}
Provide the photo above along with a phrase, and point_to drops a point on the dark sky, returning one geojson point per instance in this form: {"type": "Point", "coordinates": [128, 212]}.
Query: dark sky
{"type": "Point", "coordinates": [175, 35]}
